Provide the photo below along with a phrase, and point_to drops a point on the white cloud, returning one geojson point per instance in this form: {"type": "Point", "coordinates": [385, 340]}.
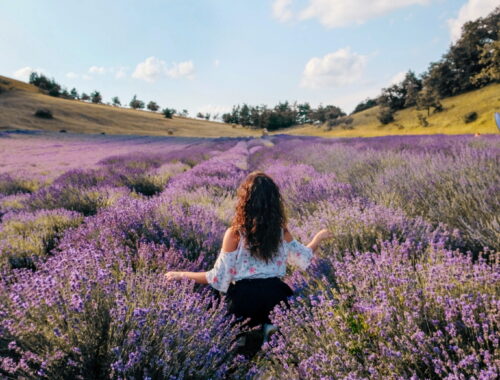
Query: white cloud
{"type": "Point", "coordinates": [86, 77]}
{"type": "Point", "coordinates": [153, 68]}
{"type": "Point", "coordinates": [397, 78]}
{"type": "Point", "coordinates": [72, 75]}
{"type": "Point", "coordinates": [281, 10]}
{"type": "Point", "coordinates": [97, 70]}
{"type": "Point", "coordinates": [216, 63]}
{"type": "Point", "coordinates": [472, 10]}
{"type": "Point", "coordinates": [339, 13]}
{"type": "Point", "coordinates": [25, 72]}
{"type": "Point", "coordinates": [339, 68]}
{"type": "Point", "coordinates": [182, 70]}
{"type": "Point", "coordinates": [150, 70]}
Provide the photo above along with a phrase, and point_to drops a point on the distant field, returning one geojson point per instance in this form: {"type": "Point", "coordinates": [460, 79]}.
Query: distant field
{"type": "Point", "coordinates": [19, 101]}
{"type": "Point", "coordinates": [484, 101]}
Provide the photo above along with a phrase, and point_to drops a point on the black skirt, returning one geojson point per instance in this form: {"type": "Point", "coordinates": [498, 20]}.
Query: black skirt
{"type": "Point", "coordinates": [255, 298]}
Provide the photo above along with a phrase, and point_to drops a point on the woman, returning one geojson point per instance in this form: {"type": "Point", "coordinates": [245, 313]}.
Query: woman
{"type": "Point", "coordinates": [254, 253]}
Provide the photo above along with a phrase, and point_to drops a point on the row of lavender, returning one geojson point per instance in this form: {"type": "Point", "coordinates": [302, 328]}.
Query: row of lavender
{"type": "Point", "coordinates": [408, 287]}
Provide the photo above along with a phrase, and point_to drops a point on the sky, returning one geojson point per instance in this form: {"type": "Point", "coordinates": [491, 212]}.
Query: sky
{"type": "Point", "coordinates": [208, 55]}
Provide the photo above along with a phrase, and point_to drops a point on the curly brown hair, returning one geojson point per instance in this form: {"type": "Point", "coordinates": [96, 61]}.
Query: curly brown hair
{"type": "Point", "coordinates": [260, 215]}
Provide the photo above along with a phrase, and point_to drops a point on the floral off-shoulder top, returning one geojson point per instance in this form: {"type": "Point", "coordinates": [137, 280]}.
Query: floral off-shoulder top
{"type": "Point", "coordinates": [240, 264]}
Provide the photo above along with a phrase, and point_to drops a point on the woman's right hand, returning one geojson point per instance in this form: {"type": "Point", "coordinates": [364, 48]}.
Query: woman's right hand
{"type": "Point", "coordinates": [323, 235]}
{"type": "Point", "coordinates": [318, 239]}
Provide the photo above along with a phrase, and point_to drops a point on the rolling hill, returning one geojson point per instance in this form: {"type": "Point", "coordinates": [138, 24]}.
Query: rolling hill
{"type": "Point", "coordinates": [485, 102]}
{"type": "Point", "coordinates": [19, 101]}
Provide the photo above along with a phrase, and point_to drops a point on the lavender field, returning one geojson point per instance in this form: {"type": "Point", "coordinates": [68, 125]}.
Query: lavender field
{"type": "Point", "coordinates": [409, 287]}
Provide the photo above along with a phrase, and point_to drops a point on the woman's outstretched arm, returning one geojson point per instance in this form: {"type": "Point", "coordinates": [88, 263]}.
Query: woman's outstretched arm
{"type": "Point", "coordinates": [198, 277]}
{"type": "Point", "coordinates": [316, 240]}
{"type": "Point", "coordinates": [229, 244]}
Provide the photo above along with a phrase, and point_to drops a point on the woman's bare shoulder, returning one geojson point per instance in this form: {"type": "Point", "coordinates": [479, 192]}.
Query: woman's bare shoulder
{"type": "Point", "coordinates": [230, 241]}
{"type": "Point", "coordinates": [287, 235]}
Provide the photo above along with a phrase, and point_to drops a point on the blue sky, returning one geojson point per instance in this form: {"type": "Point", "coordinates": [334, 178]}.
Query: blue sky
{"type": "Point", "coordinates": [208, 55]}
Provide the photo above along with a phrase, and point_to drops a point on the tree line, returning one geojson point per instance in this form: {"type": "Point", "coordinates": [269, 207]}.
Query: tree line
{"type": "Point", "coordinates": [472, 62]}
{"type": "Point", "coordinates": [52, 88]}
{"type": "Point", "coordinates": [283, 115]}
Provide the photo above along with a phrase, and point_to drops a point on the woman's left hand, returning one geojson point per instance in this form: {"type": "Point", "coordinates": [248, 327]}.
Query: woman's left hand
{"type": "Point", "coordinates": [170, 276]}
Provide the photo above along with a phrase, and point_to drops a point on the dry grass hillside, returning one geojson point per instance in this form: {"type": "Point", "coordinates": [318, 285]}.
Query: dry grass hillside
{"type": "Point", "coordinates": [484, 102]}
{"type": "Point", "coordinates": [19, 101]}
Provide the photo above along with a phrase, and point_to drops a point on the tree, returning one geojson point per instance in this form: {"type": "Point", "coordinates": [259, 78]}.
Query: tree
{"type": "Point", "coordinates": [333, 112]}
{"type": "Point", "coordinates": [116, 101]}
{"type": "Point", "coordinates": [427, 99]}
{"type": "Point", "coordinates": [411, 85]}
{"type": "Point", "coordinates": [45, 84]}
{"type": "Point", "coordinates": [304, 112]}
{"type": "Point", "coordinates": [364, 105]}
{"type": "Point", "coordinates": [136, 103]}
{"type": "Point", "coordinates": [184, 113]}
{"type": "Point", "coordinates": [74, 94]}
{"type": "Point", "coordinates": [207, 116]}
{"type": "Point", "coordinates": [199, 115]}
{"type": "Point", "coordinates": [96, 97]}
{"type": "Point", "coordinates": [152, 106]}
{"type": "Point", "coordinates": [489, 58]}
{"type": "Point", "coordinates": [440, 79]}
{"type": "Point", "coordinates": [168, 112]}
{"type": "Point", "coordinates": [393, 97]}
{"type": "Point", "coordinates": [460, 68]}
{"type": "Point", "coordinates": [65, 94]}
{"type": "Point", "coordinates": [84, 97]}
{"type": "Point", "coordinates": [245, 115]}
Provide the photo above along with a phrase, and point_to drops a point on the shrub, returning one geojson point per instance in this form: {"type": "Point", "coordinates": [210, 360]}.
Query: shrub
{"type": "Point", "coordinates": [391, 314]}
{"type": "Point", "coordinates": [12, 185]}
{"type": "Point", "coordinates": [85, 321]}
{"type": "Point", "coordinates": [385, 115]}
{"type": "Point", "coordinates": [28, 237]}
{"type": "Point", "coordinates": [359, 226]}
{"type": "Point", "coordinates": [470, 117]}
{"type": "Point", "coordinates": [84, 200]}
{"type": "Point", "coordinates": [44, 113]}
{"type": "Point", "coordinates": [12, 203]}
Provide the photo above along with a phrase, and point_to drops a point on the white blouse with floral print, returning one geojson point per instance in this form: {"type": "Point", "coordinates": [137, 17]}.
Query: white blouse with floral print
{"type": "Point", "coordinates": [239, 264]}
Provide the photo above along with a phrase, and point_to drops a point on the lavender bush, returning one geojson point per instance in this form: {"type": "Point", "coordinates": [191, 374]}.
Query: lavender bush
{"type": "Point", "coordinates": [408, 288]}
{"type": "Point", "coordinates": [393, 314]}
{"type": "Point", "coordinates": [26, 238]}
